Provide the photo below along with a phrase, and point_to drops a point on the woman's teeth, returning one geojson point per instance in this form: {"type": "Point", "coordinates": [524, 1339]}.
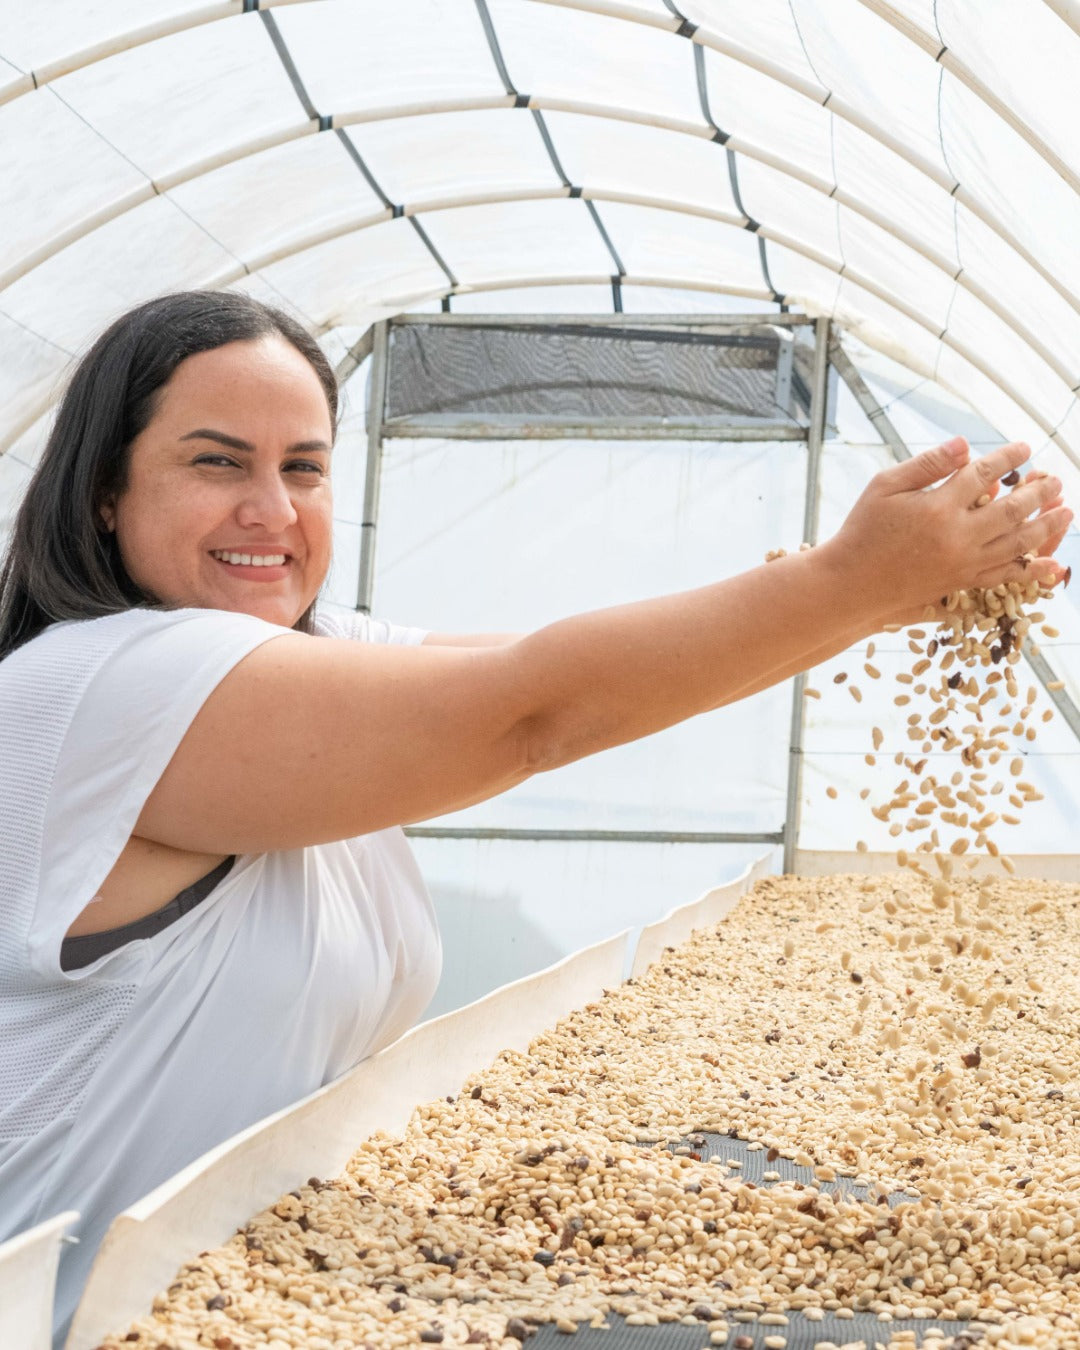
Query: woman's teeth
{"type": "Point", "coordinates": [250, 559]}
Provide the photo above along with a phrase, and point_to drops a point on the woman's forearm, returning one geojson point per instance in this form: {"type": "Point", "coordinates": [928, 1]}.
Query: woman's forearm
{"type": "Point", "coordinates": [766, 680]}
{"type": "Point", "coordinates": [618, 674]}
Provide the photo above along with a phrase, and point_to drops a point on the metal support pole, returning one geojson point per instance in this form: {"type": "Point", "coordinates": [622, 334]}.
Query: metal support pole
{"type": "Point", "coordinates": [597, 836]}
{"type": "Point", "coordinates": [373, 475]}
{"type": "Point", "coordinates": [355, 356]}
{"type": "Point", "coordinates": [867, 402]}
{"type": "Point", "coordinates": [1044, 672]}
{"type": "Point", "coordinates": [453, 427]}
{"type": "Point", "coordinates": [815, 441]}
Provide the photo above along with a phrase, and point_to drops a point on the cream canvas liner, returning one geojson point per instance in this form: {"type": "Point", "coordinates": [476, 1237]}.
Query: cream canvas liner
{"type": "Point", "coordinates": [28, 1264]}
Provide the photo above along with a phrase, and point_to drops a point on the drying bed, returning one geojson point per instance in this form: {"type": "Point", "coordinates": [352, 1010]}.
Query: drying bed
{"type": "Point", "coordinates": [900, 1064]}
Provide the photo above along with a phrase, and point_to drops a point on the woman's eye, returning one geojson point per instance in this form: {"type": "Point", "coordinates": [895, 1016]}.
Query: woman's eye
{"type": "Point", "coordinates": [306, 464]}
{"type": "Point", "coordinates": [215, 459]}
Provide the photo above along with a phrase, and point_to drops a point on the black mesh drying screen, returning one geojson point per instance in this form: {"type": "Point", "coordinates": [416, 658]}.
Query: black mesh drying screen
{"type": "Point", "coordinates": [800, 1333]}
{"type": "Point", "coordinates": [579, 372]}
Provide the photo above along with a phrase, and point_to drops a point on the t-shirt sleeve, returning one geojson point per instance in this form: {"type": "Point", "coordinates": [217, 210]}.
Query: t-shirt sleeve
{"type": "Point", "coordinates": [363, 628]}
{"type": "Point", "coordinates": [126, 727]}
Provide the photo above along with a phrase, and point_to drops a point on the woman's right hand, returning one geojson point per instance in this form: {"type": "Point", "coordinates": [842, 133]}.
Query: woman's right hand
{"type": "Point", "coordinates": [906, 547]}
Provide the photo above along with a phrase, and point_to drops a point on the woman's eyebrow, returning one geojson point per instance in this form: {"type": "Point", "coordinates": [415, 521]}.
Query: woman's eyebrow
{"type": "Point", "coordinates": [235, 443]}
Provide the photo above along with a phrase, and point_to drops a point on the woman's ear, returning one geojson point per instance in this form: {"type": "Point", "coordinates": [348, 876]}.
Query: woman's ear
{"type": "Point", "coordinates": [107, 513]}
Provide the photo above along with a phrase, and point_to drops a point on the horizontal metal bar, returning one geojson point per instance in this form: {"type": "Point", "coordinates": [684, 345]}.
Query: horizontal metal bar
{"type": "Point", "coordinates": [598, 836]}
{"type": "Point", "coordinates": [591, 429]}
{"type": "Point", "coordinates": [744, 337]}
{"type": "Point", "coordinates": [694, 322]}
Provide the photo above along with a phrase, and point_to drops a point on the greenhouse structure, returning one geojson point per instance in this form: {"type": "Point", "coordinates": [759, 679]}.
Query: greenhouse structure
{"type": "Point", "coordinates": [622, 296]}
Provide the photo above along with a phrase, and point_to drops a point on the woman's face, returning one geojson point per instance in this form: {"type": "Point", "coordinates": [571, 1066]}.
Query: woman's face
{"type": "Point", "coordinates": [235, 461]}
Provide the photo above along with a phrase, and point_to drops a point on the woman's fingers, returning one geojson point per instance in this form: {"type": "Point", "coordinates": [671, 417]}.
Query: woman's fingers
{"type": "Point", "coordinates": [1006, 515]}
{"type": "Point", "coordinates": [979, 476]}
{"type": "Point", "coordinates": [924, 469]}
{"type": "Point", "coordinates": [1034, 536]}
{"type": "Point", "coordinates": [1046, 570]}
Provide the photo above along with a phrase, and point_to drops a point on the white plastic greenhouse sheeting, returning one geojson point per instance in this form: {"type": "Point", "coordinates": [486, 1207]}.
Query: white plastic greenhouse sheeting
{"type": "Point", "coordinates": [202, 1205]}
{"type": "Point", "coordinates": [911, 168]}
{"type": "Point", "coordinates": [27, 1279]}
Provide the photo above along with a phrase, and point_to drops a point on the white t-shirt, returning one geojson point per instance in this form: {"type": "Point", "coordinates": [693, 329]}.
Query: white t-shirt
{"type": "Point", "coordinates": [296, 966]}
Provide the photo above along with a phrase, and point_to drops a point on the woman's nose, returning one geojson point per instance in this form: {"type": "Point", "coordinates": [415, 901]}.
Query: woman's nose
{"type": "Point", "coordinates": [266, 502]}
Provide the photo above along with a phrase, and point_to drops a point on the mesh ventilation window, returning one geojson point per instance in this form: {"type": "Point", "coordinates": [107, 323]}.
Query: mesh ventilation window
{"type": "Point", "coordinates": [515, 373]}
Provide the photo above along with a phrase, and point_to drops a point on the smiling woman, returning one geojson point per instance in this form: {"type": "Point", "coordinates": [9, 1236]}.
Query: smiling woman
{"type": "Point", "coordinates": [207, 906]}
{"type": "Point", "coordinates": [122, 420]}
{"type": "Point", "coordinates": [227, 503]}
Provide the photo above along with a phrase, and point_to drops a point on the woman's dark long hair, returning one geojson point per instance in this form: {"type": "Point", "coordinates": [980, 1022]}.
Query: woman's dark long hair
{"type": "Point", "coordinates": [60, 563]}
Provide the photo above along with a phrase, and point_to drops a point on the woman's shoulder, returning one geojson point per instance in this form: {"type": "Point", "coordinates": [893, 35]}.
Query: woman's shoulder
{"type": "Point", "coordinates": [73, 647]}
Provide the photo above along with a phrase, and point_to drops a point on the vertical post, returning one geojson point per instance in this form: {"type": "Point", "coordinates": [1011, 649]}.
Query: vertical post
{"type": "Point", "coordinates": [373, 475]}
{"type": "Point", "coordinates": [815, 440]}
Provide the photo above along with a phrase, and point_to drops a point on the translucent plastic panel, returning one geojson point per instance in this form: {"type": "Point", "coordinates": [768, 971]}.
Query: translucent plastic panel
{"type": "Point", "coordinates": [672, 300]}
{"type": "Point", "coordinates": [1011, 360]}
{"type": "Point", "coordinates": [30, 370]}
{"type": "Point", "coordinates": [1024, 53]}
{"type": "Point", "coordinates": [12, 78]}
{"type": "Point", "coordinates": [340, 587]}
{"type": "Point", "coordinates": [893, 188]}
{"type": "Point", "coordinates": [988, 399]}
{"type": "Point", "coordinates": [483, 244]}
{"type": "Point", "coordinates": [349, 459]}
{"type": "Point", "coordinates": [846, 470]}
{"type": "Point", "coordinates": [556, 53]}
{"type": "Point", "coordinates": [508, 909]}
{"type": "Point", "coordinates": [243, 204]}
{"type": "Point", "coordinates": [587, 299]}
{"type": "Point", "coordinates": [680, 779]}
{"type": "Point", "coordinates": [892, 81]}
{"type": "Point", "coordinates": [1070, 431]}
{"type": "Point", "coordinates": [926, 414]}
{"type": "Point", "coordinates": [762, 27]}
{"type": "Point", "coordinates": [494, 537]}
{"type": "Point", "coordinates": [894, 267]}
{"type": "Point", "coordinates": [663, 243]}
{"type": "Point", "coordinates": [600, 153]}
{"type": "Point", "coordinates": [257, 287]}
{"type": "Point", "coordinates": [651, 10]}
{"type": "Point", "coordinates": [14, 476]}
{"type": "Point", "coordinates": [354, 57]}
{"type": "Point", "coordinates": [28, 448]}
{"type": "Point", "coordinates": [881, 325]}
{"type": "Point", "coordinates": [806, 284]}
{"type": "Point", "coordinates": [36, 35]}
{"type": "Point", "coordinates": [76, 293]}
{"type": "Point", "coordinates": [753, 106]}
{"type": "Point", "coordinates": [358, 277]}
{"type": "Point", "coordinates": [179, 101]}
{"type": "Point", "coordinates": [43, 143]}
{"type": "Point", "coordinates": [1020, 290]}
{"type": "Point", "coordinates": [1008, 178]}
{"type": "Point", "coordinates": [790, 207]}
{"type": "Point", "coordinates": [454, 155]}
{"type": "Point", "coordinates": [922, 13]}
{"type": "Point", "coordinates": [336, 344]}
